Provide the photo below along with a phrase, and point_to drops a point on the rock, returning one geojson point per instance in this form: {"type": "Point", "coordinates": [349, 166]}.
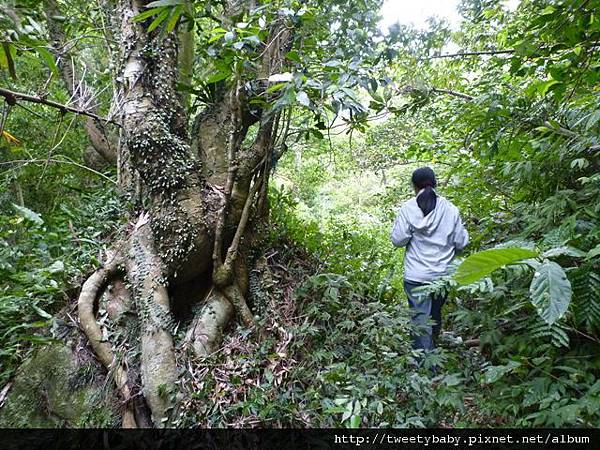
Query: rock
{"type": "Point", "coordinates": [56, 387]}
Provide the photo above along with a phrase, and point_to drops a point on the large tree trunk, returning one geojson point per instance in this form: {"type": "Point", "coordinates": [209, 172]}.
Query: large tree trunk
{"type": "Point", "coordinates": [194, 206]}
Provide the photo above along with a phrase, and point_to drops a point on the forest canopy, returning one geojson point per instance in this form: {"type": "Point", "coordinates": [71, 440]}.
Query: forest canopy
{"type": "Point", "coordinates": [196, 200]}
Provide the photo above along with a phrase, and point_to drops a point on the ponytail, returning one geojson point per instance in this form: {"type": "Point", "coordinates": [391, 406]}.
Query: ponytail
{"type": "Point", "coordinates": [424, 179]}
{"type": "Point", "coordinates": [427, 200]}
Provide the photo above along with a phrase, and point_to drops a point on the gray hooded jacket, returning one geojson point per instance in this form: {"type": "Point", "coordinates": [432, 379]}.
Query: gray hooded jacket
{"type": "Point", "coordinates": [431, 242]}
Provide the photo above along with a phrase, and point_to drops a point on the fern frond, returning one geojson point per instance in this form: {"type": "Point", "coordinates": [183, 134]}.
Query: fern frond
{"type": "Point", "coordinates": [556, 333]}
{"type": "Point", "coordinates": [586, 298]}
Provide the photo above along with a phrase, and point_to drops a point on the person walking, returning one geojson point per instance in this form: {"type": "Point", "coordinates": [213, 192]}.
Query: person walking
{"type": "Point", "coordinates": [430, 228]}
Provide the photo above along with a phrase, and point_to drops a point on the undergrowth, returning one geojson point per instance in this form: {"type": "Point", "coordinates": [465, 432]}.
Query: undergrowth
{"type": "Point", "coordinates": [42, 256]}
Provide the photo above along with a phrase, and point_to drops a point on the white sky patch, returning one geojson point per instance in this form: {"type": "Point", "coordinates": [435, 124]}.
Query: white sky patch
{"type": "Point", "coordinates": [416, 12]}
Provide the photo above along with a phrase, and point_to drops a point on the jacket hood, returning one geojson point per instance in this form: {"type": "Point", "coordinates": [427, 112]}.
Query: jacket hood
{"type": "Point", "coordinates": [428, 224]}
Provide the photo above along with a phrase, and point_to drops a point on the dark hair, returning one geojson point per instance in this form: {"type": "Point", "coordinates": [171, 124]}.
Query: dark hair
{"type": "Point", "coordinates": [424, 178]}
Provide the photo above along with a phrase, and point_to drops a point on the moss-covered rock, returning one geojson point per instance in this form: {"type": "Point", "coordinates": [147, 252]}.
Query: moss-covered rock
{"type": "Point", "coordinates": [55, 387]}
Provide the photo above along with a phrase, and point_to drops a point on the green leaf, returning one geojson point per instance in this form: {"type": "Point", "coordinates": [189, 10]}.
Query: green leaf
{"type": "Point", "coordinates": [56, 267]}
{"type": "Point", "coordinates": [254, 39]}
{"type": "Point", "coordinates": [303, 98]}
{"type": "Point", "coordinates": [545, 86]}
{"type": "Point", "coordinates": [28, 214]}
{"type": "Point", "coordinates": [146, 14]}
{"type": "Point", "coordinates": [159, 19]}
{"type": "Point", "coordinates": [550, 291]}
{"type": "Point", "coordinates": [481, 264]}
{"type": "Point", "coordinates": [566, 250]}
{"type": "Point", "coordinates": [494, 373]}
{"type": "Point", "coordinates": [41, 312]}
{"type": "Point", "coordinates": [217, 77]}
{"type": "Point", "coordinates": [293, 56]}
{"type": "Point", "coordinates": [48, 58]}
{"type": "Point", "coordinates": [547, 10]}
{"type": "Point", "coordinates": [229, 36]}
{"type": "Point", "coordinates": [317, 133]}
{"type": "Point", "coordinates": [175, 14]}
{"type": "Point", "coordinates": [341, 401]}
{"type": "Point", "coordinates": [159, 3]}
{"type": "Point", "coordinates": [215, 37]}
{"type": "Point", "coordinates": [593, 252]}
{"type": "Point", "coordinates": [354, 421]}
{"type": "Point", "coordinates": [275, 87]}
{"type": "Point", "coordinates": [348, 411]}
{"type": "Point", "coordinates": [579, 163]}
{"type": "Point", "coordinates": [7, 58]}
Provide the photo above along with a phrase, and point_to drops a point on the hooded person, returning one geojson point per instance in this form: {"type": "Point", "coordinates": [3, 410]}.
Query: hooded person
{"type": "Point", "coordinates": [430, 228]}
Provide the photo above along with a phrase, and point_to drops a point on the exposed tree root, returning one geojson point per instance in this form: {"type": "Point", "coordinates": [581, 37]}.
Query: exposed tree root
{"type": "Point", "coordinates": [119, 306]}
{"type": "Point", "coordinates": [235, 296]}
{"type": "Point", "coordinates": [146, 271]}
{"type": "Point", "coordinates": [90, 292]}
{"type": "Point", "coordinates": [206, 332]}
{"type": "Point", "coordinates": [158, 365]}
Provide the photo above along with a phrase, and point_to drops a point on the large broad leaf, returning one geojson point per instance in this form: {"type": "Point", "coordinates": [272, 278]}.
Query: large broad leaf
{"type": "Point", "coordinates": [303, 98]}
{"type": "Point", "coordinates": [28, 214]}
{"type": "Point", "coordinates": [494, 373]}
{"type": "Point", "coordinates": [550, 291]}
{"type": "Point", "coordinates": [565, 250]}
{"type": "Point", "coordinates": [593, 252]}
{"type": "Point", "coordinates": [481, 264]}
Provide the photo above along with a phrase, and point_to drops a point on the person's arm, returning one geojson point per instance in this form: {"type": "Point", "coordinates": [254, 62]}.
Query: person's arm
{"type": "Point", "coordinates": [460, 235]}
{"type": "Point", "coordinates": [401, 232]}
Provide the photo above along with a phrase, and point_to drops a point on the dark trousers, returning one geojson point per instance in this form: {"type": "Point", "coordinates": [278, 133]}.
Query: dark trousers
{"type": "Point", "coordinates": [424, 307]}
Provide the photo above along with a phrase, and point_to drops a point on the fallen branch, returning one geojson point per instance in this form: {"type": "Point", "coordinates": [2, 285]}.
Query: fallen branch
{"type": "Point", "coordinates": [13, 97]}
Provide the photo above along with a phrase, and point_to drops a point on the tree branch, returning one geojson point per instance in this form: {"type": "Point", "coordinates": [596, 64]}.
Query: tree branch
{"type": "Point", "coordinates": [57, 161]}
{"type": "Point", "coordinates": [234, 141]}
{"type": "Point", "coordinates": [12, 97]}
{"type": "Point", "coordinates": [506, 51]}
{"type": "Point", "coordinates": [241, 228]}
{"type": "Point", "coordinates": [454, 93]}
{"type": "Point", "coordinates": [463, 54]}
